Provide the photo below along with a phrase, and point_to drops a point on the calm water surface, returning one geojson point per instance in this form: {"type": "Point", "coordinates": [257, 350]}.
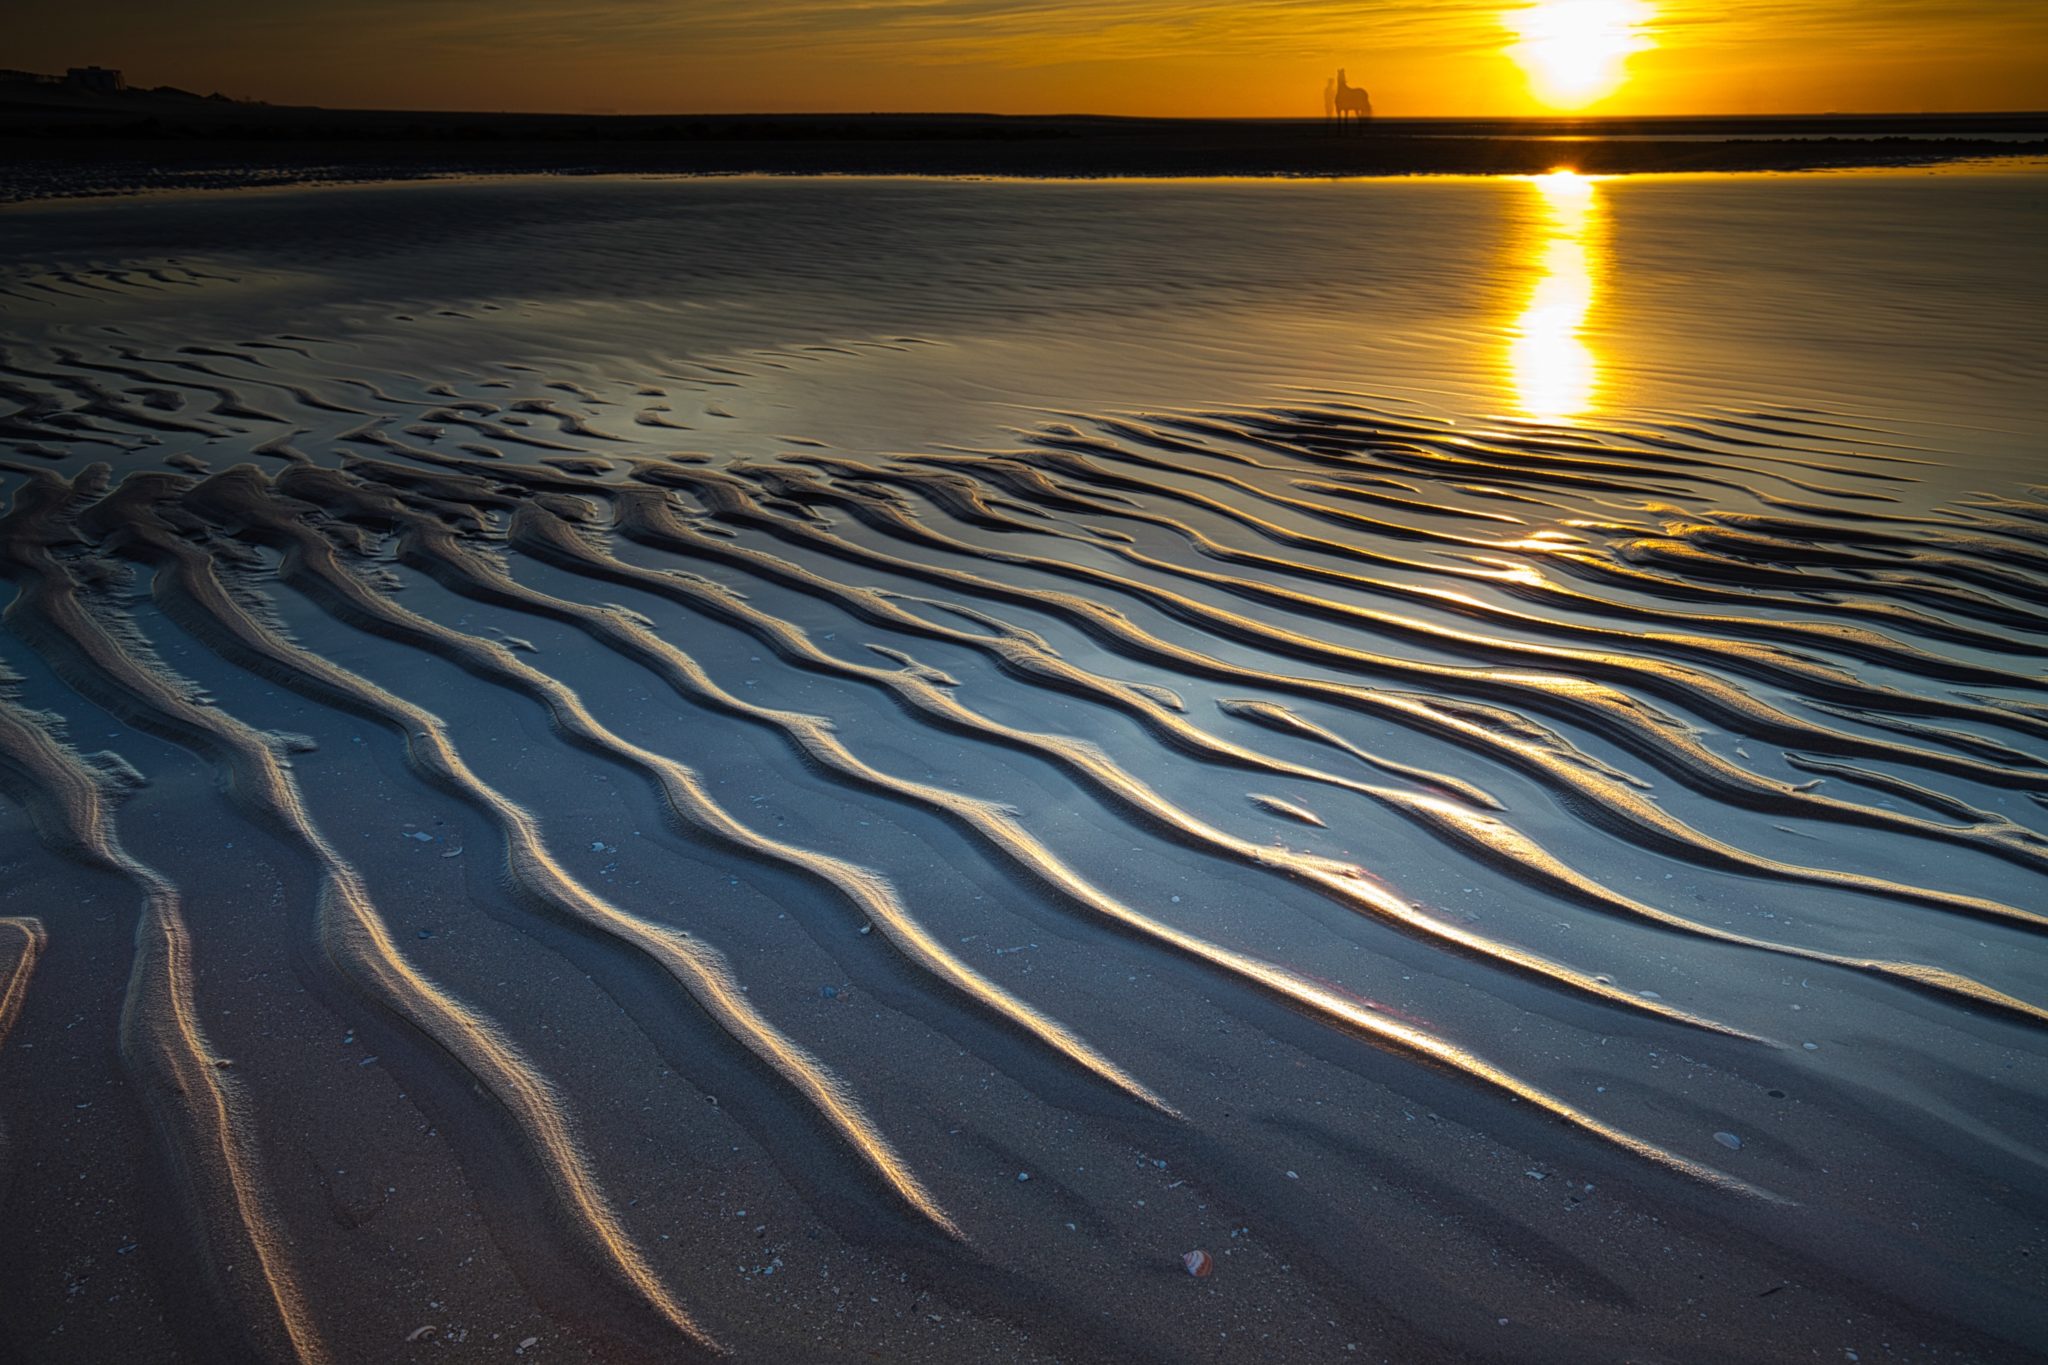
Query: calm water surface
{"type": "Point", "coordinates": [1904, 297]}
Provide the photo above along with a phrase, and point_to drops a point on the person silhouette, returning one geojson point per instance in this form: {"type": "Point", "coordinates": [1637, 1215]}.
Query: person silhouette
{"type": "Point", "coordinates": [1329, 98]}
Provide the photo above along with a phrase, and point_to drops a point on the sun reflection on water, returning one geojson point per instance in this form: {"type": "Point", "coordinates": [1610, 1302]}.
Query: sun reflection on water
{"type": "Point", "coordinates": [1552, 367]}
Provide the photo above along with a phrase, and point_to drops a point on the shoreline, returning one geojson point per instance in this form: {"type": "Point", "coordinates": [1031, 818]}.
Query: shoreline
{"type": "Point", "coordinates": [24, 183]}
{"type": "Point", "coordinates": [61, 155]}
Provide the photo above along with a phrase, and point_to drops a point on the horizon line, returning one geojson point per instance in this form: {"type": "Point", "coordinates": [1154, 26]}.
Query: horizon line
{"type": "Point", "coordinates": [1552, 117]}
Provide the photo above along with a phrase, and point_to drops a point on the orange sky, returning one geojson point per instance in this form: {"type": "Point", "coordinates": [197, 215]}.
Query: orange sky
{"type": "Point", "coordinates": [1172, 57]}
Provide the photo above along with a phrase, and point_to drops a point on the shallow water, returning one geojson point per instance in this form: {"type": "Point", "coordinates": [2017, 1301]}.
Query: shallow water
{"type": "Point", "coordinates": [833, 769]}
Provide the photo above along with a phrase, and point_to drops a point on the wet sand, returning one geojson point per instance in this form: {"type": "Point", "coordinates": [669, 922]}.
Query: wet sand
{"type": "Point", "coordinates": [693, 789]}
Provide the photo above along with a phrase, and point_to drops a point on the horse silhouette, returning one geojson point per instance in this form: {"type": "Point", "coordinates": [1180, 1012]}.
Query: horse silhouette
{"type": "Point", "coordinates": [1351, 99]}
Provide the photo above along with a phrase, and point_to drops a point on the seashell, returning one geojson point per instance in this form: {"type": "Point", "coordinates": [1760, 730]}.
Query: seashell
{"type": "Point", "coordinates": [1199, 1263]}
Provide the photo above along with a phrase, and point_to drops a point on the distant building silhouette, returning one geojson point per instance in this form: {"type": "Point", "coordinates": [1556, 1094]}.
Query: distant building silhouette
{"type": "Point", "coordinates": [28, 78]}
{"type": "Point", "coordinates": [98, 79]}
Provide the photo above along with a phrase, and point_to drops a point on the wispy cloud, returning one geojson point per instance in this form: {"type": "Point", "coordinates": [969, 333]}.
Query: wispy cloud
{"type": "Point", "coordinates": [678, 54]}
{"type": "Point", "coordinates": [1020, 32]}
{"type": "Point", "coordinates": [1035, 32]}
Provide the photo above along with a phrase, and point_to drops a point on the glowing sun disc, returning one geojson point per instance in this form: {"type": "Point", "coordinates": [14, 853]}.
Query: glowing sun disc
{"type": "Point", "coordinates": [1573, 50]}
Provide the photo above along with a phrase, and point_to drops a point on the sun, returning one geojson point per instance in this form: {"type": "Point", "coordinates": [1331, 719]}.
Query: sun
{"type": "Point", "coordinates": [1574, 50]}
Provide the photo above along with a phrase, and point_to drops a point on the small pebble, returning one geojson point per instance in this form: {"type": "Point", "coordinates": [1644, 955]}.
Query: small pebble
{"type": "Point", "coordinates": [1729, 1140]}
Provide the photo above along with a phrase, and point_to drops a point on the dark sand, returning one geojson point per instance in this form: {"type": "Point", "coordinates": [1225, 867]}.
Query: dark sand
{"type": "Point", "coordinates": [60, 143]}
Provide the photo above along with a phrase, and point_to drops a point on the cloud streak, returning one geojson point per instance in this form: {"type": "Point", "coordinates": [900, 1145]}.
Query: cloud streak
{"type": "Point", "coordinates": [680, 54]}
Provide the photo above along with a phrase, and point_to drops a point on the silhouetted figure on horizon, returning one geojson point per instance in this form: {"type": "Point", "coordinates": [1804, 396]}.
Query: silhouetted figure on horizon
{"type": "Point", "coordinates": [1351, 99]}
{"type": "Point", "coordinates": [1329, 99]}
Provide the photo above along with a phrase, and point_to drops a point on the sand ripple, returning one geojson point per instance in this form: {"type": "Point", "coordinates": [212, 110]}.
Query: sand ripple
{"type": "Point", "coordinates": [1524, 714]}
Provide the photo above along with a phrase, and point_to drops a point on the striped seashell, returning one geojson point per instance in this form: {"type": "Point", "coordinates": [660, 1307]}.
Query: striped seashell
{"type": "Point", "coordinates": [1199, 1263]}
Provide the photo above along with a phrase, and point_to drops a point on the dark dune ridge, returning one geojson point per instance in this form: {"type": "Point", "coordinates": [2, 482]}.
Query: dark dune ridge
{"type": "Point", "coordinates": [493, 857]}
{"type": "Point", "coordinates": [64, 143]}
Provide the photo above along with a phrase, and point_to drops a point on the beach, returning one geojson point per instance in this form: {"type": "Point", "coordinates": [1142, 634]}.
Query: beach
{"type": "Point", "coordinates": [1086, 763]}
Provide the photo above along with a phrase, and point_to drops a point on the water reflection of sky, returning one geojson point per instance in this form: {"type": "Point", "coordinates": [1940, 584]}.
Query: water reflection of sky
{"type": "Point", "coordinates": [1552, 369]}
{"type": "Point", "coordinates": [1893, 299]}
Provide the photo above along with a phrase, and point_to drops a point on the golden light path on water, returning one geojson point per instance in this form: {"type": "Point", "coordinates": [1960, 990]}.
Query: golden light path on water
{"type": "Point", "coordinates": [1551, 366]}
